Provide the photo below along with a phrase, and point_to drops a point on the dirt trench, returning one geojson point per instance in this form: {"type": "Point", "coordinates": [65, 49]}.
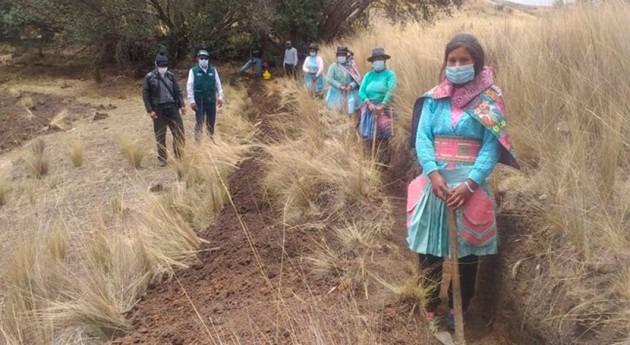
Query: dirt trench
{"type": "Point", "coordinates": [236, 296]}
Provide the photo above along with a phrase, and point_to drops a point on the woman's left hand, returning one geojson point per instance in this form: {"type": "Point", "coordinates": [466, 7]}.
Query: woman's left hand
{"type": "Point", "coordinates": [458, 196]}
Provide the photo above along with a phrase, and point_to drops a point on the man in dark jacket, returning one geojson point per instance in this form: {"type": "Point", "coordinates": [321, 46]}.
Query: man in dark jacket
{"type": "Point", "coordinates": [164, 101]}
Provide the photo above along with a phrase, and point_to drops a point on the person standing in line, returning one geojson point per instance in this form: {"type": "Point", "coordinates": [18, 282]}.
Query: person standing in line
{"type": "Point", "coordinates": [460, 135]}
{"type": "Point", "coordinates": [344, 80]}
{"type": "Point", "coordinates": [290, 59]}
{"type": "Point", "coordinates": [255, 57]}
{"type": "Point", "coordinates": [377, 94]}
{"type": "Point", "coordinates": [313, 68]}
{"type": "Point", "coordinates": [204, 93]}
{"type": "Point", "coordinates": [164, 103]}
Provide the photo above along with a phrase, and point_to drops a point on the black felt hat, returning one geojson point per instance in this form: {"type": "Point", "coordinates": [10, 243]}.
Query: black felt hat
{"type": "Point", "coordinates": [378, 53]}
{"type": "Point", "coordinates": [342, 51]}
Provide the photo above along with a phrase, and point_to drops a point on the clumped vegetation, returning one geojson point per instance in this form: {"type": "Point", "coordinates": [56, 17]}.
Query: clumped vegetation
{"type": "Point", "coordinates": [133, 151]}
{"type": "Point", "coordinates": [38, 161]}
{"type": "Point", "coordinates": [76, 153]}
{"type": "Point", "coordinates": [3, 190]}
{"type": "Point", "coordinates": [318, 166]}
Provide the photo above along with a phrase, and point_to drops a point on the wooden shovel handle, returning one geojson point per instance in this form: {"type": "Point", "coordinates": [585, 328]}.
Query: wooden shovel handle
{"type": "Point", "coordinates": [455, 279]}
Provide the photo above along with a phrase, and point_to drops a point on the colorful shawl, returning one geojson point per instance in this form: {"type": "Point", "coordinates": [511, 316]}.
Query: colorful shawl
{"type": "Point", "coordinates": [352, 69]}
{"type": "Point", "coordinates": [483, 101]}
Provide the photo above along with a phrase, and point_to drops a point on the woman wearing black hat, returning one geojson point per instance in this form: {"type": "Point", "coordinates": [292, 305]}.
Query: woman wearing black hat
{"type": "Point", "coordinates": [377, 94]}
{"type": "Point", "coordinates": [313, 70]}
{"type": "Point", "coordinates": [344, 80]}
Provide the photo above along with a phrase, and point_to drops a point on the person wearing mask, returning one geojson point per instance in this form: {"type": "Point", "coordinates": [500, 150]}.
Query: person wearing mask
{"type": "Point", "coordinates": [164, 103]}
{"type": "Point", "coordinates": [204, 93]}
{"type": "Point", "coordinates": [255, 58]}
{"type": "Point", "coordinates": [313, 69]}
{"type": "Point", "coordinates": [460, 133]}
{"type": "Point", "coordinates": [290, 59]}
{"type": "Point", "coordinates": [344, 80]}
{"type": "Point", "coordinates": [378, 113]}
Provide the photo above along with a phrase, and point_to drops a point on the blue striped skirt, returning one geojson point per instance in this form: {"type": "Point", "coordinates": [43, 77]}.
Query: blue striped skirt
{"type": "Point", "coordinates": [384, 122]}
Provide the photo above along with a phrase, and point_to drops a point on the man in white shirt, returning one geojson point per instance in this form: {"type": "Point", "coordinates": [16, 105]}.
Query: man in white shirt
{"type": "Point", "coordinates": [290, 59]}
{"type": "Point", "coordinates": [204, 93]}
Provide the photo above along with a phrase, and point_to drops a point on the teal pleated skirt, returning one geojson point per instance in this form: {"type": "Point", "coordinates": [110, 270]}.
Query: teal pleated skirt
{"type": "Point", "coordinates": [427, 222]}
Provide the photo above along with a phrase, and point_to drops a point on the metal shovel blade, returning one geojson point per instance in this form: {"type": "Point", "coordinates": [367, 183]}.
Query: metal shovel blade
{"type": "Point", "coordinates": [444, 338]}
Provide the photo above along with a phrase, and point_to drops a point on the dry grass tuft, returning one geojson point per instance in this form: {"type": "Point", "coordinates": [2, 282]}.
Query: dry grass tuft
{"type": "Point", "coordinates": [38, 161]}
{"type": "Point", "coordinates": [3, 190]}
{"type": "Point", "coordinates": [317, 165]}
{"type": "Point", "coordinates": [76, 153]}
{"type": "Point", "coordinates": [58, 121]}
{"type": "Point", "coordinates": [133, 151]}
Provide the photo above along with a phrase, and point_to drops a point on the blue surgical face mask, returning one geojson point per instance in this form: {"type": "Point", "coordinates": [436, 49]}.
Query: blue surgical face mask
{"type": "Point", "coordinates": [460, 74]}
{"type": "Point", "coordinates": [312, 53]}
{"type": "Point", "coordinates": [378, 65]}
{"type": "Point", "coordinates": [342, 59]}
{"type": "Point", "coordinates": [203, 63]}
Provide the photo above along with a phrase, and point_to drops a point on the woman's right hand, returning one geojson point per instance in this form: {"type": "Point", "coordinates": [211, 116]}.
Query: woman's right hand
{"type": "Point", "coordinates": [438, 186]}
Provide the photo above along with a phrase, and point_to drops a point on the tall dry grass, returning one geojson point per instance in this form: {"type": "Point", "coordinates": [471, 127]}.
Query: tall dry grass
{"type": "Point", "coordinates": [71, 279]}
{"type": "Point", "coordinates": [317, 166]}
{"type": "Point", "coordinates": [564, 75]}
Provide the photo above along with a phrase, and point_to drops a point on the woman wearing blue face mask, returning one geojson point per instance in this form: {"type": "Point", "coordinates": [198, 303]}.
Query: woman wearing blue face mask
{"type": "Point", "coordinates": [344, 80]}
{"type": "Point", "coordinates": [313, 70]}
{"type": "Point", "coordinates": [377, 94]}
{"type": "Point", "coordinates": [460, 133]}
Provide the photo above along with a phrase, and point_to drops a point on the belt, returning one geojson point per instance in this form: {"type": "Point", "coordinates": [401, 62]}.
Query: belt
{"type": "Point", "coordinates": [456, 149]}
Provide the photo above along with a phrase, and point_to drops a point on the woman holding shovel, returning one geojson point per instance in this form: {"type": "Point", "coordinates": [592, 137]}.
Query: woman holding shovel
{"type": "Point", "coordinates": [377, 95]}
{"type": "Point", "coordinates": [344, 80]}
{"type": "Point", "coordinates": [461, 134]}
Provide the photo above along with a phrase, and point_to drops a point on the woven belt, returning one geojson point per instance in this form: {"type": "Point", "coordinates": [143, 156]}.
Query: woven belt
{"type": "Point", "coordinates": [456, 149]}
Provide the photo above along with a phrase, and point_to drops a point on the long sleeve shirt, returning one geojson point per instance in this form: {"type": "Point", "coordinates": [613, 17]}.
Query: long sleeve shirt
{"type": "Point", "coordinates": [378, 87]}
{"type": "Point", "coordinates": [190, 85]}
{"type": "Point", "coordinates": [437, 118]}
{"type": "Point", "coordinates": [338, 77]}
{"type": "Point", "coordinates": [290, 57]}
{"type": "Point", "coordinates": [313, 64]}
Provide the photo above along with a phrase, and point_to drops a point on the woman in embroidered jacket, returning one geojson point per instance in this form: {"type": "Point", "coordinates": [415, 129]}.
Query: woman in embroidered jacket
{"type": "Point", "coordinates": [461, 135]}
{"type": "Point", "coordinates": [377, 94]}
{"type": "Point", "coordinates": [344, 80]}
{"type": "Point", "coordinates": [313, 70]}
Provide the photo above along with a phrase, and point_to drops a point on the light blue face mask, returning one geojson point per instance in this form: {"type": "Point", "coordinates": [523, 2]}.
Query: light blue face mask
{"type": "Point", "coordinates": [342, 59]}
{"type": "Point", "coordinates": [203, 63]}
{"type": "Point", "coordinates": [312, 54]}
{"type": "Point", "coordinates": [378, 65]}
{"type": "Point", "coordinates": [460, 74]}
